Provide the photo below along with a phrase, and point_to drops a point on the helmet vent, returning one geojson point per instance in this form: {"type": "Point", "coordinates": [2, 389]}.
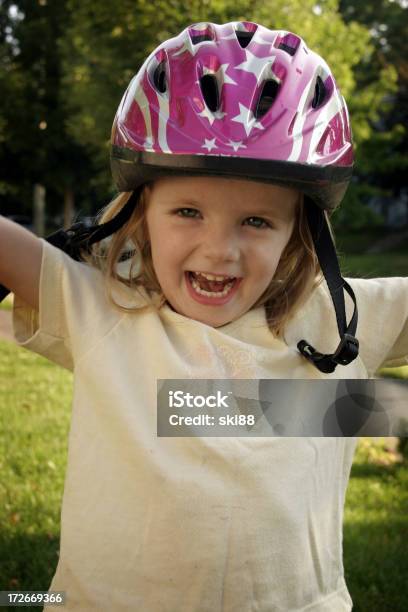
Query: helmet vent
{"type": "Point", "coordinates": [286, 48]}
{"type": "Point", "coordinates": [243, 37]}
{"type": "Point", "coordinates": [288, 43]}
{"type": "Point", "coordinates": [199, 38]}
{"type": "Point", "coordinates": [159, 77]}
{"type": "Point", "coordinates": [320, 93]}
{"type": "Point", "coordinates": [209, 89]}
{"type": "Point", "coordinates": [267, 98]}
{"type": "Point", "coordinates": [201, 32]}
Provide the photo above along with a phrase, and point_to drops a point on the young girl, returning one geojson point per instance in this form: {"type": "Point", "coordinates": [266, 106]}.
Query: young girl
{"type": "Point", "coordinates": [229, 148]}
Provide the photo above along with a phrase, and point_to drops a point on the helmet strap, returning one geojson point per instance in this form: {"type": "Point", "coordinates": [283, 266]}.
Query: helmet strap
{"type": "Point", "coordinates": [347, 350]}
{"type": "Point", "coordinates": [80, 237]}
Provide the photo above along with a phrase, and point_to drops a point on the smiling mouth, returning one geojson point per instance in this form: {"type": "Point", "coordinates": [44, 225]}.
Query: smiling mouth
{"type": "Point", "coordinates": [210, 287]}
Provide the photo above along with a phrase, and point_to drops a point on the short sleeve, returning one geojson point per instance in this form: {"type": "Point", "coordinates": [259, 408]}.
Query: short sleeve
{"type": "Point", "coordinates": [382, 321]}
{"type": "Point", "coordinates": [74, 310]}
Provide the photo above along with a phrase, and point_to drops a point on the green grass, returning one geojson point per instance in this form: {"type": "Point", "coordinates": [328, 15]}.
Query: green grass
{"type": "Point", "coordinates": [357, 243]}
{"type": "Point", "coordinates": [376, 529]}
{"type": "Point", "coordinates": [7, 303]}
{"type": "Point", "coordinates": [35, 407]}
{"type": "Point", "coordinates": [35, 400]}
{"type": "Point", "coordinates": [355, 262]}
{"type": "Point", "coordinates": [400, 372]}
{"type": "Point", "coordinates": [373, 266]}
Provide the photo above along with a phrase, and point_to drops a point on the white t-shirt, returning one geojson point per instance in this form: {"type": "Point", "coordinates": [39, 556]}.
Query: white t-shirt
{"type": "Point", "coordinates": [196, 524]}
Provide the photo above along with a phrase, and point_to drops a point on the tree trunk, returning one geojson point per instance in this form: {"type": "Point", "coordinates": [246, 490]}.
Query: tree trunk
{"type": "Point", "coordinates": [39, 209]}
{"type": "Point", "coordinates": [69, 210]}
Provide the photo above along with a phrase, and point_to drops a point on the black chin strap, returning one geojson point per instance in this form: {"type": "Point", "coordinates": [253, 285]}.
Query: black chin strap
{"type": "Point", "coordinates": [347, 350]}
{"type": "Point", "coordinates": [79, 237]}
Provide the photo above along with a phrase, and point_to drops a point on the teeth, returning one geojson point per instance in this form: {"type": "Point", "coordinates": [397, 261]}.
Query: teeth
{"type": "Point", "coordinates": [198, 289]}
{"type": "Point", "coordinates": [212, 277]}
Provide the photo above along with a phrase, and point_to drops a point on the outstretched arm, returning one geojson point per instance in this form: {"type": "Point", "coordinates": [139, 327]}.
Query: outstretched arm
{"type": "Point", "coordinates": [383, 321]}
{"type": "Point", "coordinates": [20, 261]}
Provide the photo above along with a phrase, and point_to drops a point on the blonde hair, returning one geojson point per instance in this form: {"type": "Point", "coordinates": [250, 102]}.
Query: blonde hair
{"type": "Point", "coordinates": [297, 275]}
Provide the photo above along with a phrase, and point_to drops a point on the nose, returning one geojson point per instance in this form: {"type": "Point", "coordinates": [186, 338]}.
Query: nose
{"type": "Point", "coordinates": [220, 244]}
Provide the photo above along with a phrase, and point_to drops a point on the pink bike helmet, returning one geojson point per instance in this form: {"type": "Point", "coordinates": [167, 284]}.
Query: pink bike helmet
{"type": "Point", "coordinates": [235, 100]}
{"type": "Point", "coordinates": [243, 101]}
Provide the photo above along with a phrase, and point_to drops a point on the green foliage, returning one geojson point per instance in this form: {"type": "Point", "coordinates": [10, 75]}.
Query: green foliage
{"type": "Point", "coordinates": [354, 213]}
{"type": "Point", "coordinates": [35, 146]}
{"type": "Point", "coordinates": [381, 155]}
{"type": "Point", "coordinates": [371, 100]}
{"type": "Point", "coordinates": [71, 62]}
{"type": "Point", "coordinates": [379, 114]}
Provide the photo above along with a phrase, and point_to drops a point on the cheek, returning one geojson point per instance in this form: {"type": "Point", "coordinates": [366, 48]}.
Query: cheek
{"type": "Point", "coordinates": [159, 239]}
{"type": "Point", "coordinates": [267, 261]}
{"type": "Point", "coordinates": [269, 253]}
{"type": "Point", "coordinates": [280, 243]}
{"type": "Point", "coordinates": [166, 254]}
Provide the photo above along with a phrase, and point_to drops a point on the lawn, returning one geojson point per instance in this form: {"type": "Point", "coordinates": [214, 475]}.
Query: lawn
{"type": "Point", "coordinates": [35, 401]}
{"type": "Point", "coordinates": [7, 303]}
{"type": "Point", "coordinates": [355, 261]}
{"type": "Point", "coordinates": [376, 528]}
{"type": "Point", "coordinates": [373, 266]}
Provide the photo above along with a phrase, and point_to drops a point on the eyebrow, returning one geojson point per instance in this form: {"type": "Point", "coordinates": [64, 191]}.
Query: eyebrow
{"type": "Point", "coordinates": [262, 210]}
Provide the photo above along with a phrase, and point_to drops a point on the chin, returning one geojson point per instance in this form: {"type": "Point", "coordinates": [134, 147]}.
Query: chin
{"type": "Point", "coordinates": [220, 321]}
{"type": "Point", "coordinates": [223, 323]}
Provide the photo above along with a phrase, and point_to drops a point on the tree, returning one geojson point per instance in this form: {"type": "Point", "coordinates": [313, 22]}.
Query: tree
{"type": "Point", "coordinates": [35, 146]}
{"type": "Point", "coordinates": [382, 115]}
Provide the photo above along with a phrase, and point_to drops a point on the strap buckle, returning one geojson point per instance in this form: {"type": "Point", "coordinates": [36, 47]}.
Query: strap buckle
{"type": "Point", "coordinates": [345, 353]}
{"type": "Point", "coordinates": [347, 350]}
{"type": "Point", "coordinates": [77, 232]}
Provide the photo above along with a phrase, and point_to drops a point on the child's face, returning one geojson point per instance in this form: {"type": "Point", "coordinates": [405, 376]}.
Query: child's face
{"type": "Point", "coordinates": [219, 226]}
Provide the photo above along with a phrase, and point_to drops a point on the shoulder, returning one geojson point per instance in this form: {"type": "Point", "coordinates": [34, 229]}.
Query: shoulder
{"type": "Point", "coordinates": [387, 288]}
{"type": "Point", "coordinates": [89, 280]}
{"type": "Point", "coordinates": [384, 292]}
{"type": "Point", "coordinates": [382, 305]}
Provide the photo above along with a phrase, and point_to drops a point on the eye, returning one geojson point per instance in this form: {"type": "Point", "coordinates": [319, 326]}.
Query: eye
{"type": "Point", "coordinates": [192, 213]}
{"type": "Point", "coordinates": [186, 212]}
{"type": "Point", "coordinates": [259, 223]}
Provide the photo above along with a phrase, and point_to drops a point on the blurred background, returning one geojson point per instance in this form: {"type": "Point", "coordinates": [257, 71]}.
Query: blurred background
{"type": "Point", "coordinates": [64, 66]}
